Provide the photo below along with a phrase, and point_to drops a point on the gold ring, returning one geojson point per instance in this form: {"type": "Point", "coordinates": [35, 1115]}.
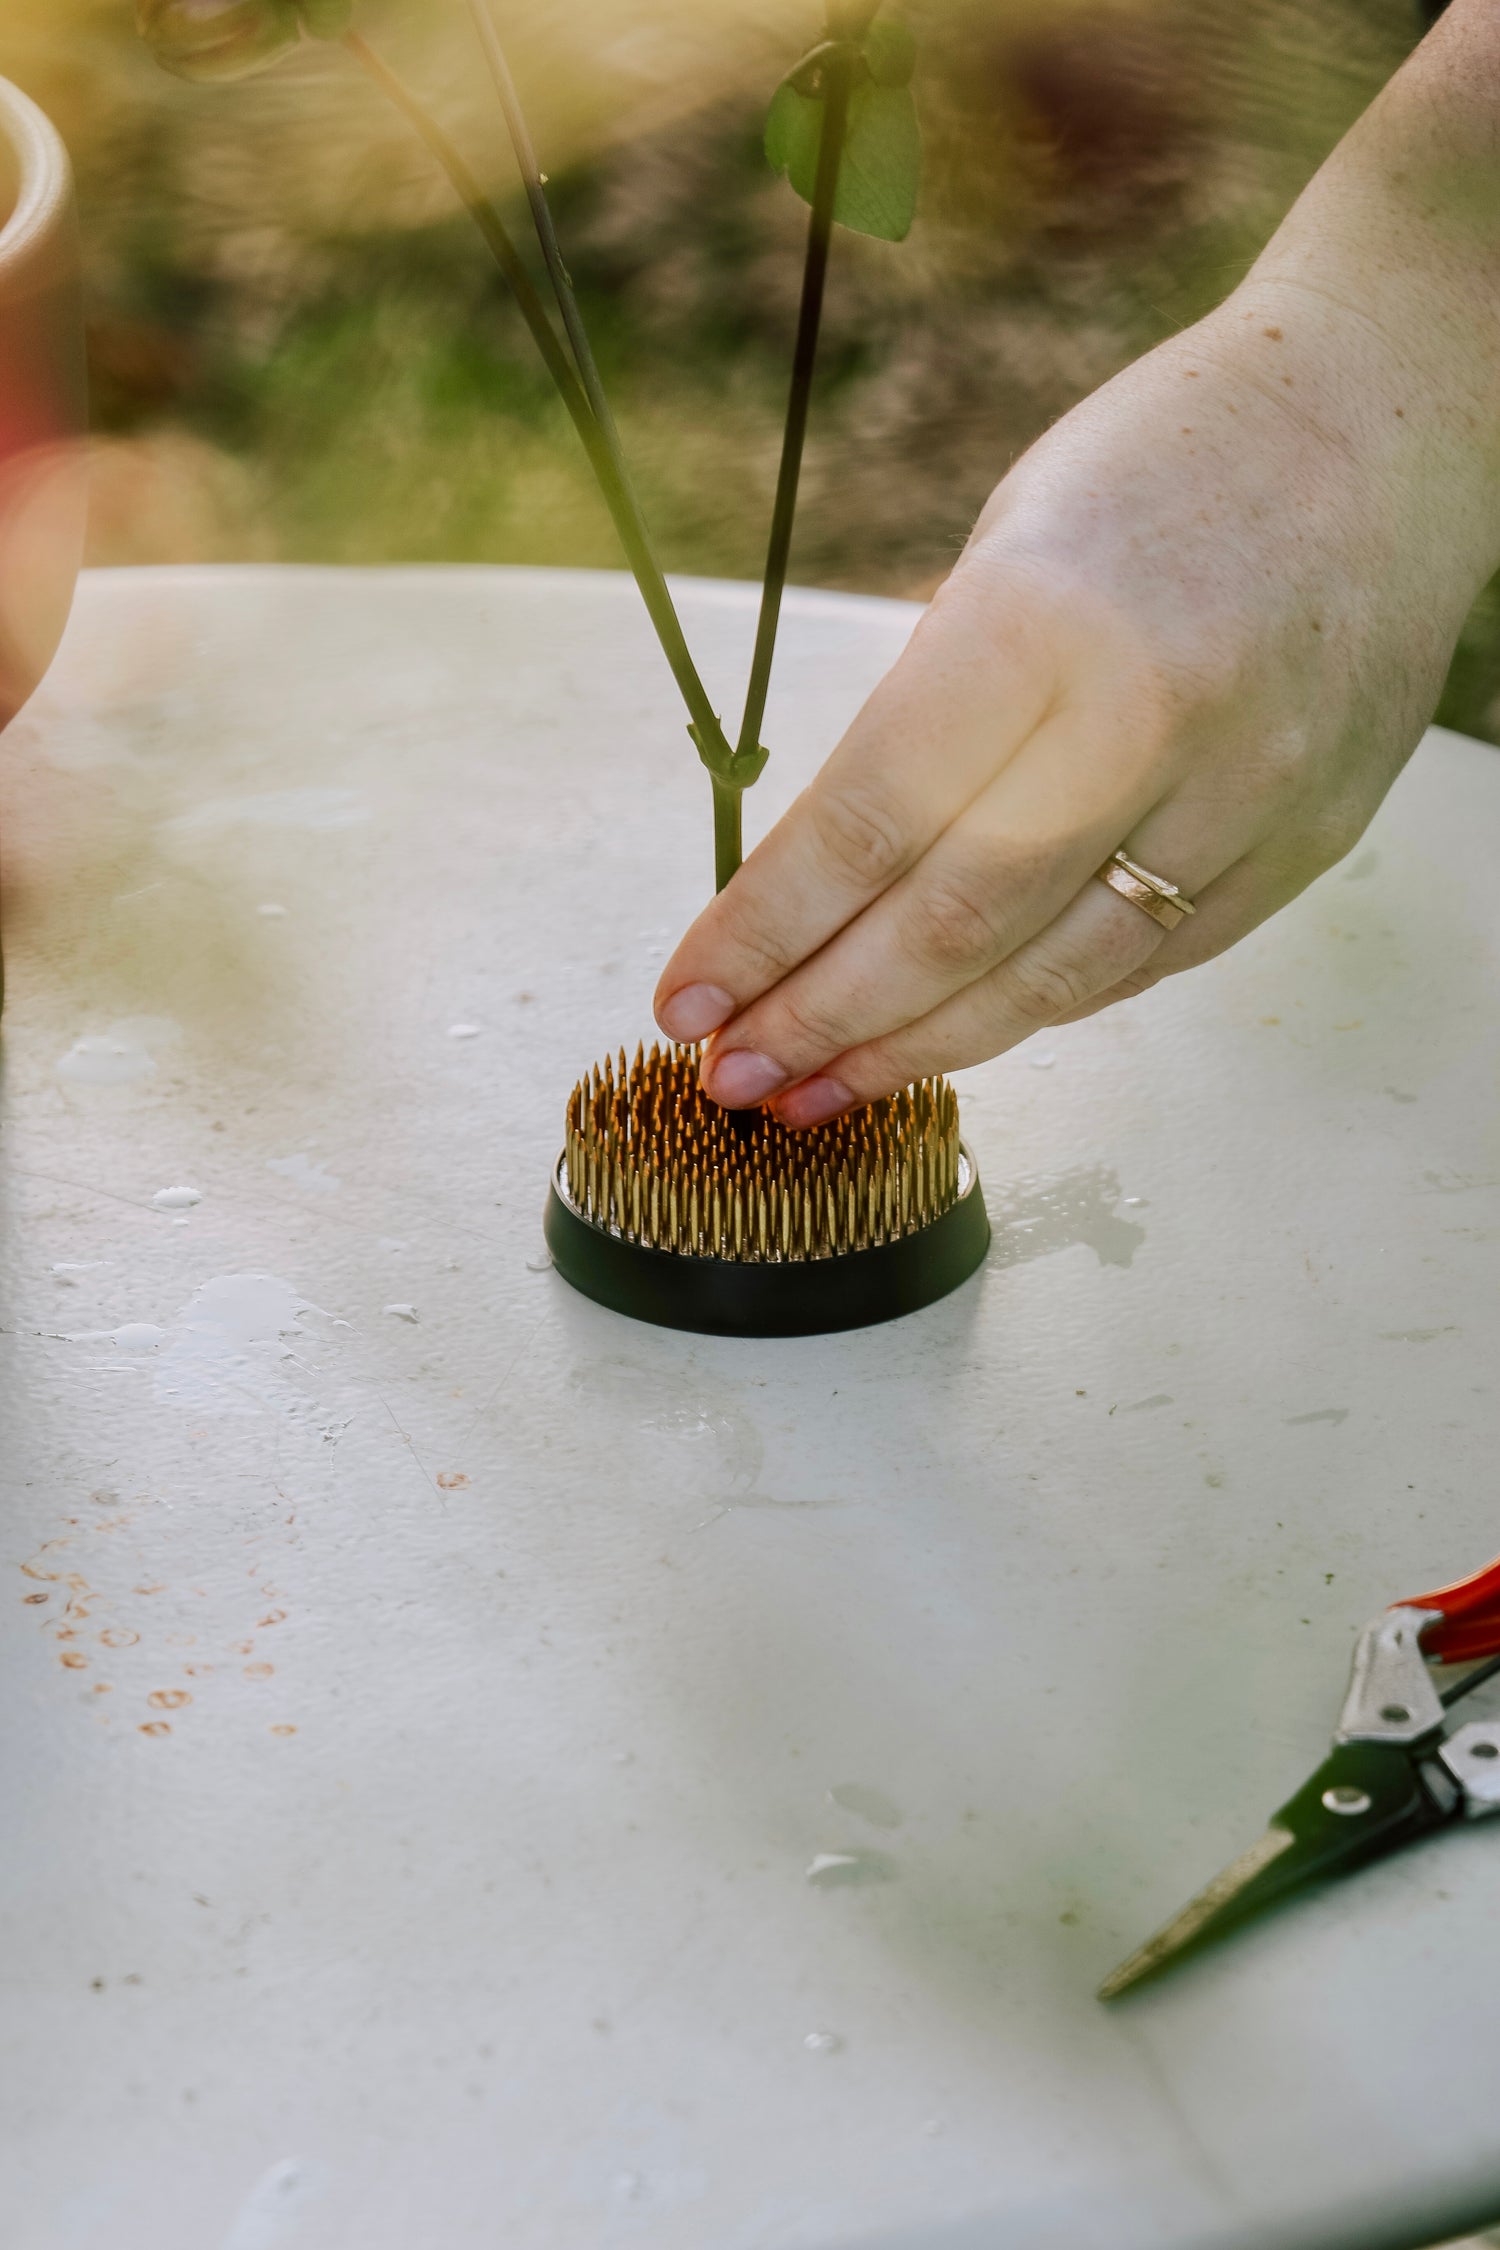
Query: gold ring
{"type": "Point", "coordinates": [1163, 901]}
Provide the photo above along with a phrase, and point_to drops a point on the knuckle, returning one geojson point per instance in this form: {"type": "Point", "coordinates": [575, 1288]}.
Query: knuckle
{"type": "Point", "coordinates": [1334, 830]}
{"type": "Point", "coordinates": [1316, 837]}
{"type": "Point", "coordinates": [952, 925]}
{"type": "Point", "coordinates": [1276, 766]}
{"type": "Point", "coordinates": [860, 832]}
{"type": "Point", "coordinates": [1046, 984]}
{"type": "Point", "coordinates": [1204, 677]}
{"type": "Point", "coordinates": [1139, 981]}
{"type": "Point", "coordinates": [813, 1025]}
{"type": "Point", "coordinates": [754, 942]}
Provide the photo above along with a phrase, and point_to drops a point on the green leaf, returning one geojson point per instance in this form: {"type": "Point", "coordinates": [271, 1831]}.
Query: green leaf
{"type": "Point", "coordinates": [890, 50]}
{"type": "Point", "coordinates": [882, 167]}
{"type": "Point", "coordinates": [792, 130]}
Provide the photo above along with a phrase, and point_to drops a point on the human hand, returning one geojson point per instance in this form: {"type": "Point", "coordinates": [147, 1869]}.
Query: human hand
{"type": "Point", "coordinates": [1206, 618]}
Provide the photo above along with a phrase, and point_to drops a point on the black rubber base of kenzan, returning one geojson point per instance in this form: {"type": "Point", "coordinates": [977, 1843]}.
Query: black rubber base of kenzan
{"type": "Point", "coordinates": [799, 1297]}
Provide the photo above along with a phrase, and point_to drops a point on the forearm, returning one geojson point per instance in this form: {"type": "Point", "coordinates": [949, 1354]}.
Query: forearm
{"type": "Point", "coordinates": [1387, 275]}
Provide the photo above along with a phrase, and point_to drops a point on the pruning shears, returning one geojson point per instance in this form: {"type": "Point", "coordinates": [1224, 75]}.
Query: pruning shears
{"type": "Point", "coordinates": [1394, 1774]}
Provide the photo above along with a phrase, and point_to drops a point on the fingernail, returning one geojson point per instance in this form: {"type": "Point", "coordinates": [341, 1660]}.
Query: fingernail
{"type": "Point", "coordinates": [814, 1102]}
{"type": "Point", "coordinates": [695, 1011]}
{"type": "Point", "coordinates": [742, 1077]}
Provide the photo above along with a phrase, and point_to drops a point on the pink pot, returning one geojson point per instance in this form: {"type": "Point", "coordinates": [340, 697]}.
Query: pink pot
{"type": "Point", "coordinates": [43, 414]}
{"type": "Point", "coordinates": [42, 403]}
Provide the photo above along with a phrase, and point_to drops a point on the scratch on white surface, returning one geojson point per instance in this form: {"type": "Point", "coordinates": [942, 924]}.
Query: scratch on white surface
{"type": "Point", "coordinates": [81, 1187]}
{"type": "Point", "coordinates": [481, 1411]}
{"type": "Point", "coordinates": [405, 1436]}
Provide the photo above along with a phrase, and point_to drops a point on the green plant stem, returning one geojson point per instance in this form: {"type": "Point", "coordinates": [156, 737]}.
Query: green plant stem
{"type": "Point", "coordinates": [729, 847]}
{"type": "Point", "coordinates": [546, 232]}
{"type": "Point", "coordinates": [485, 217]}
{"type": "Point", "coordinates": [837, 89]}
{"type": "Point", "coordinates": [607, 467]}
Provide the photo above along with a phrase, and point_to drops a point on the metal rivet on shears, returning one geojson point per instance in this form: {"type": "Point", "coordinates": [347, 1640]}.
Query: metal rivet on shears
{"type": "Point", "coordinates": [1343, 1799]}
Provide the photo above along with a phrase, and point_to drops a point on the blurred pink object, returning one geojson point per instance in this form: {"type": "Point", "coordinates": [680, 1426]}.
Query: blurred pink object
{"type": "Point", "coordinates": [43, 401]}
{"type": "Point", "coordinates": [42, 397]}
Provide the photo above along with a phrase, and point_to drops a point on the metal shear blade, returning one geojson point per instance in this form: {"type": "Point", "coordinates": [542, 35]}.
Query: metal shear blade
{"type": "Point", "coordinates": [1365, 1800]}
{"type": "Point", "coordinates": [1393, 1775]}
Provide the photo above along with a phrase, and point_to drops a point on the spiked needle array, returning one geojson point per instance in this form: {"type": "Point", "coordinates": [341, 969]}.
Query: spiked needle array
{"type": "Point", "coordinates": [650, 1158]}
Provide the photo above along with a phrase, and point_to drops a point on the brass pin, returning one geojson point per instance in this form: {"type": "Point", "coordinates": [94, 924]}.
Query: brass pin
{"type": "Point", "coordinates": [649, 1157]}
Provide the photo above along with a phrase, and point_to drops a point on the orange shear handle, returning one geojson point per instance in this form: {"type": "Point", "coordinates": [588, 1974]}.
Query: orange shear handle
{"type": "Point", "coordinates": [1467, 1623]}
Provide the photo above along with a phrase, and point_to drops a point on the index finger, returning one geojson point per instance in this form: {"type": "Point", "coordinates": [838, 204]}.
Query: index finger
{"type": "Point", "coordinates": [972, 684]}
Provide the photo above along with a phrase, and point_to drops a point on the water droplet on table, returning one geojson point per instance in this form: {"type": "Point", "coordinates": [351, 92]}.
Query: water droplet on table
{"type": "Point", "coordinates": [463, 1030]}
{"type": "Point", "coordinates": [120, 1055]}
{"type": "Point", "coordinates": [868, 1804]}
{"type": "Point", "coordinates": [304, 1171]}
{"type": "Point", "coordinates": [176, 1198]}
{"type": "Point", "coordinates": [138, 1336]}
{"type": "Point", "coordinates": [823, 2043]}
{"type": "Point", "coordinates": [404, 1312]}
{"type": "Point", "coordinates": [849, 1870]}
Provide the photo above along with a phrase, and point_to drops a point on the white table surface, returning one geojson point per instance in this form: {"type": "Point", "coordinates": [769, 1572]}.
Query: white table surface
{"type": "Point", "coordinates": [419, 1724]}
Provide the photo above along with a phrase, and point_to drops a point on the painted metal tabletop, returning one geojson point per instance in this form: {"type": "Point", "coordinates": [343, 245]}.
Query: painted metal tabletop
{"type": "Point", "coordinates": [484, 1771]}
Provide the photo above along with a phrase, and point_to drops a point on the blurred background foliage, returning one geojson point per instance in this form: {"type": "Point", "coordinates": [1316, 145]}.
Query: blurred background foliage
{"type": "Point", "coordinates": [299, 352]}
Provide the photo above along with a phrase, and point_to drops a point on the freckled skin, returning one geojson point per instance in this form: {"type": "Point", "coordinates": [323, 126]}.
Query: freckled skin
{"type": "Point", "coordinates": [1213, 643]}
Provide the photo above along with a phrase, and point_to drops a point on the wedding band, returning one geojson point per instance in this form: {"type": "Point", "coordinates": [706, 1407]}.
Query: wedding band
{"type": "Point", "coordinates": [1163, 901]}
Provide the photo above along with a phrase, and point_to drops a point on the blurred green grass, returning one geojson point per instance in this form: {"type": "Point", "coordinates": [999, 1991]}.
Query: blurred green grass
{"type": "Point", "coordinates": [298, 352]}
